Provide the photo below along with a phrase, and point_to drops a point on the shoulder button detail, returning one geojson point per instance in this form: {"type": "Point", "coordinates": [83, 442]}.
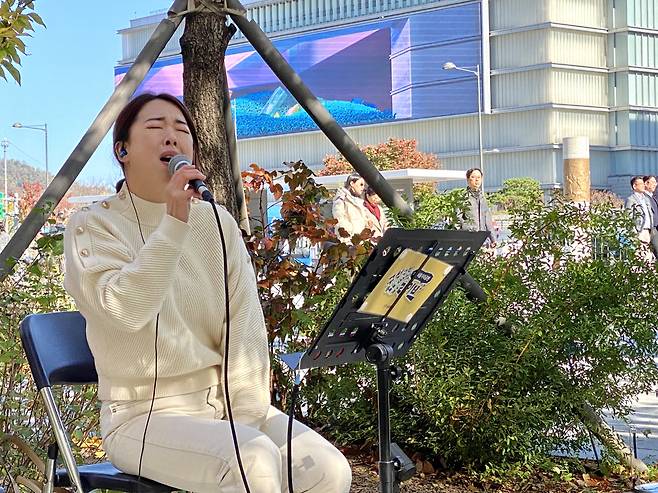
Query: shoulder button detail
{"type": "Point", "coordinates": [84, 252]}
{"type": "Point", "coordinates": [105, 204]}
{"type": "Point", "coordinates": [79, 230]}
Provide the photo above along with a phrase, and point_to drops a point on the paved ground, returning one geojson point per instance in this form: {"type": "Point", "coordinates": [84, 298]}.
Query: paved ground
{"type": "Point", "coordinates": [644, 423]}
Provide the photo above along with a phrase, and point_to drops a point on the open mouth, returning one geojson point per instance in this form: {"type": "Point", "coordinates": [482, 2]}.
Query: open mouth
{"type": "Point", "coordinates": [164, 159]}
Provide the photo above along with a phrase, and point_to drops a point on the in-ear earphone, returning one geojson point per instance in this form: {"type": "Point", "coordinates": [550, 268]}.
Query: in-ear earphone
{"type": "Point", "coordinates": [123, 152]}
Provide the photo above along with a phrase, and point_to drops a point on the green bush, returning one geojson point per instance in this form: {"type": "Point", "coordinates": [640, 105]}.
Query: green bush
{"type": "Point", "coordinates": [517, 194]}
{"type": "Point", "coordinates": [441, 210]}
{"type": "Point", "coordinates": [579, 297]}
{"type": "Point", "coordinates": [36, 287]}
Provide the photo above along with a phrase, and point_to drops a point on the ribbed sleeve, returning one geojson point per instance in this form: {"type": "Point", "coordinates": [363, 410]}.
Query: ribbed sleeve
{"type": "Point", "coordinates": [249, 367]}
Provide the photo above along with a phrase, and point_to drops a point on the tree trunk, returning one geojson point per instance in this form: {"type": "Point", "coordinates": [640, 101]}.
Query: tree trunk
{"type": "Point", "coordinates": [203, 46]}
{"type": "Point", "coordinates": [610, 439]}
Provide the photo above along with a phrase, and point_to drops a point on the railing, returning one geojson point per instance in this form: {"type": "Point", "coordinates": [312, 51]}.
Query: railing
{"type": "Point", "coordinates": [286, 15]}
{"type": "Point", "coordinates": [296, 14]}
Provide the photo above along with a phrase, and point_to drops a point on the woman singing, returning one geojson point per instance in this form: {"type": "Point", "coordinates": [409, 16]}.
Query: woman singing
{"type": "Point", "coordinates": [146, 270]}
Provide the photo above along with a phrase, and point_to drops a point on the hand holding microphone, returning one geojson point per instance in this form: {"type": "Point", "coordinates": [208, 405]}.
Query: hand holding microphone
{"type": "Point", "coordinates": [184, 173]}
{"type": "Point", "coordinates": [180, 160]}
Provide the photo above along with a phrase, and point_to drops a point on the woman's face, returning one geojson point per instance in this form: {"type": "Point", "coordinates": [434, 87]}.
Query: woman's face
{"type": "Point", "coordinates": [373, 199]}
{"type": "Point", "coordinates": [357, 187]}
{"type": "Point", "coordinates": [159, 132]}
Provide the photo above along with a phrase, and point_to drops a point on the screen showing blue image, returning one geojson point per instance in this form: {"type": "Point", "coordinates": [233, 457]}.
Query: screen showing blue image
{"type": "Point", "coordinates": [368, 73]}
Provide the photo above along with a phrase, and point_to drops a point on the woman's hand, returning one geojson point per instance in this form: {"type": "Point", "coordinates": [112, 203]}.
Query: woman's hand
{"type": "Point", "coordinates": [177, 193]}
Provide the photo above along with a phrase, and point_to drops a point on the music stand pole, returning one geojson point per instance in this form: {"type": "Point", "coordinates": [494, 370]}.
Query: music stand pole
{"type": "Point", "coordinates": [380, 355]}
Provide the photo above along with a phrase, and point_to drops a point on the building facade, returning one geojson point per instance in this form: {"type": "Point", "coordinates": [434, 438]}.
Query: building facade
{"type": "Point", "coordinates": [550, 69]}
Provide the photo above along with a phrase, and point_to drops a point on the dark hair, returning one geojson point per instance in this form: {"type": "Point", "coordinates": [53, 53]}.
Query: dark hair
{"type": "Point", "coordinates": [470, 172]}
{"type": "Point", "coordinates": [129, 113]}
{"type": "Point", "coordinates": [370, 191]}
{"type": "Point", "coordinates": [351, 179]}
{"type": "Point", "coordinates": [647, 178]}
{"type": "Point", "coordinates": [634, 179]}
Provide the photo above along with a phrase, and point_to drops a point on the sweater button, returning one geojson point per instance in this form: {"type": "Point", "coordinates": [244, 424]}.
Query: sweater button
{"type": "Point", "coordinates": [105, 204]}
{"type": "Point", "coordinates": [84, 252]}
{"type": "Point", "coordinates": [79, 230]}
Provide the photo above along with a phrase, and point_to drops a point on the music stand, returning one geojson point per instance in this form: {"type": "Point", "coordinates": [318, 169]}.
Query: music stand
{"type": "Point", "coordinates": [352, 335]}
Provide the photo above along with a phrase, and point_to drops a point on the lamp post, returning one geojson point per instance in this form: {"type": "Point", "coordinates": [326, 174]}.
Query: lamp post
{"type": "Point", "coordinates": [44, 129]}
{"type": "Point", "coordinates": [476, 72]}
{"type": "Point", "coordinates": [5, 200]}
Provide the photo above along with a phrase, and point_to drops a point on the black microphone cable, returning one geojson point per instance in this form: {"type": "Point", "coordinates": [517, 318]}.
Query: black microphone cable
{"type": "Point", "coordinates": [227, 397]}
{"type": "Point", "coordinates": [291, 420]}
{"type": "Point", "coordinates": [226, 353]}
{"type": "Point", "coordinates": [295, 390]}
{"type": "Point", "coordinates": [175, 163]}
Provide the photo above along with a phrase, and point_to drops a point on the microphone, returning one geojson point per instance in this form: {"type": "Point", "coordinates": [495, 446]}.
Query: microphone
{"type": "Point", "coordinates": [179, 160]}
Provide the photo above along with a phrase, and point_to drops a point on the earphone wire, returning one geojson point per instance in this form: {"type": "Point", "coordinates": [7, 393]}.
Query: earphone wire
{"type": "Point", "coordinates": [155, 377]}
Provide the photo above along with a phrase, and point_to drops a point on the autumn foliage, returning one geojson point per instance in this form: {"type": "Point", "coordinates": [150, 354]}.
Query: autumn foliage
{"type": "Point", "coordinates": [272, 245]}
{"type": "Point", "coordinates": [31, 193]}
{"type": "Point", "coordinates": [393, 154]}
{"type": "Point", "coordinates": [296, 297]}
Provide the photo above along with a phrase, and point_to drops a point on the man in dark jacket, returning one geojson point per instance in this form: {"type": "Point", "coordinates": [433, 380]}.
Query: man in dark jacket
{"type": "Point", "coordinates": [478, 215]}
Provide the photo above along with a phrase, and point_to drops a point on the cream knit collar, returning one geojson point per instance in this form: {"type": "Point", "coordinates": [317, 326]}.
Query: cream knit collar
{"type": "Point", "coordinates": [150, 213]}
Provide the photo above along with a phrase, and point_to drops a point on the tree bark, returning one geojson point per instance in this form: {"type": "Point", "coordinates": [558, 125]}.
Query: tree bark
{"type": "Point", "coordinates": [610, 439]}
{"type": "Point", "coordinates": [203, 46]}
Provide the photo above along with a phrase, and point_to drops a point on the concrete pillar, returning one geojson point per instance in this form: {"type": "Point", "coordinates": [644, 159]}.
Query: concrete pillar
{"type": "Point", "coordinates": [577, 181]}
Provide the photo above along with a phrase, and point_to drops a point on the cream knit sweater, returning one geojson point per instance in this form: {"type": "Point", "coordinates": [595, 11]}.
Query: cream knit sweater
{"type": "Point", "coordinates": [121, 284]}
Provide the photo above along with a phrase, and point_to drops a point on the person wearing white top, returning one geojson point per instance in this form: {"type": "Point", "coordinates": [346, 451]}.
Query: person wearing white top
{"type": "Point", "coordinates": [640, 207]}
{"type": "Point", "coordinates": [649, 190]}
{"type": "Point", "coordinates": [348, 209]}
{"type": "Point", "coordinates": [146, 270]}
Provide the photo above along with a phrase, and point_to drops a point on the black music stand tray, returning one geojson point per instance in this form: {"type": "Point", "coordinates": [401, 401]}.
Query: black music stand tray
{"type": "Point", "coordinates": [351, 336]}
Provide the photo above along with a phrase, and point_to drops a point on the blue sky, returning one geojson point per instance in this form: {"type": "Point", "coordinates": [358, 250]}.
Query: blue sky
{"type": "Point", "coordinates": [67, 78]}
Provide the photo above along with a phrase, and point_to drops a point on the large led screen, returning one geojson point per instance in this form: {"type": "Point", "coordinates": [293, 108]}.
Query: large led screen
{"type": "Point", "coordinates": [373, 72]}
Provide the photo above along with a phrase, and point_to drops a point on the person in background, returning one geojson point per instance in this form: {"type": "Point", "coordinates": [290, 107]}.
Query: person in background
{"type": "Point", "coordinates": [376, 220]}
{"type": "Point", "coordinates": [348, 208]}
{"type": "Point", "coordinates": [650, 191]}
{"type": "Point", "coordinates": [638, 204]}
{"type": "Point", "coordinates": [478, 215]}
{"type": "Point", "coordinates": [4, 236]}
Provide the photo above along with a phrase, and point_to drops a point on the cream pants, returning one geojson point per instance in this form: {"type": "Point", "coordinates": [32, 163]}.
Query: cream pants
{"type": "Point", "coordinates": [189, 446]}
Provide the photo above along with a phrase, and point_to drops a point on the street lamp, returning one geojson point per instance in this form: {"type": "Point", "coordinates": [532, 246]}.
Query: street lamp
{"type": "Point", "coordinates": [476, 72]}
{"type": "Point", "coordinates": [44, 129]}
{"type": "Point", "coordinates": [5, 199]}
